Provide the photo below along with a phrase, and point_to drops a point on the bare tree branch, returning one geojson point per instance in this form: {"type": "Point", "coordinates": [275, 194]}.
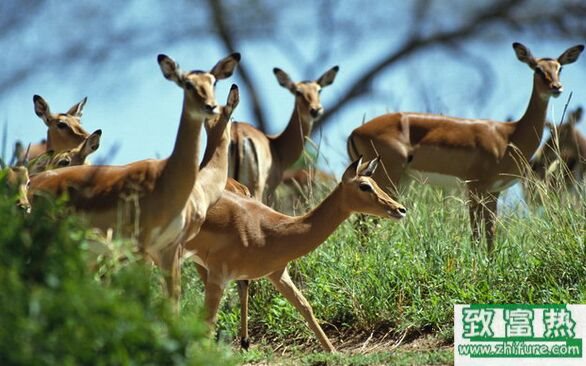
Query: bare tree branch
{"type": "Point", "coordinates": [114, 33]}
{"type": "Point", "coordinates": [484, 69]}
{"type": "Point", "coordinates": [227, 38]}
{"type": "Point", "coordinates": [494, 13]}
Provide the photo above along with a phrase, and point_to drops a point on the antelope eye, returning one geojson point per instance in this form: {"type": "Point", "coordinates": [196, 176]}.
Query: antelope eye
{"type": "Point", "coordinates": [61, 125]}
{"type": "Point", "coordinates": [189, 86]}
{"type": "Point", "coordinates": [298, 93]}
{"type": "Point", "coordinates": [63, 163]}
{"type": "Point", "coordinates": [365, 187]}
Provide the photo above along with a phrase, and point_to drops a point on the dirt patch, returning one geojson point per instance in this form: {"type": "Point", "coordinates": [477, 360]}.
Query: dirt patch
{"type": "Point", "coordinates": [369, 343]}
{"type": "Point", "coordinates": [353, 344]}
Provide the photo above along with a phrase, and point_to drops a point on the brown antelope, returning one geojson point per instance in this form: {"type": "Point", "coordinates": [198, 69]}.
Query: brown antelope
{"type": "Point", "coordinates": [17, 181]}
{"type": "Point", "coordinates": [76, 156]}
{"type": "Point", "coordinates": [64, 130]}
{"type": "Point", "coordinates": [484, 154]}
{"type": "Point", "coordinates": [258, 160]}
{"type": "Point", "coordinates": [148, 198]}
{"type": "Point", "coordinates": [213, 174]}
{"type": "Point", "coordinates": [242, 239]}
{"type": "Point", "coordinates": [566, 146]}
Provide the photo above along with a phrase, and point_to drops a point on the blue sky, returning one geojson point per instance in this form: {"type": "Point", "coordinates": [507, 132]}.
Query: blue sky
{"type": "Point", "coordinates": [139, 110]}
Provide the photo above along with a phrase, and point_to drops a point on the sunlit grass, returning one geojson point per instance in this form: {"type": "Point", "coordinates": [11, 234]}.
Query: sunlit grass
{"type": "Point", "coordinates": [406, 277]}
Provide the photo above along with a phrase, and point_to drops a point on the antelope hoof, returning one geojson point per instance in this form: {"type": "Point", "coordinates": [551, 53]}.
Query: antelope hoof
{"type": "Point", "coordinates": [245, 343]}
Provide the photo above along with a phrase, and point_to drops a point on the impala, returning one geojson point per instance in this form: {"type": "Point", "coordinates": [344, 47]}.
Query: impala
{"type": "Point", "coordinates": [76, 156]}
{"type": "Point", "coordinates": [242, 239]}
{"type": "Point", "coordinates": [486, 155]}
{"type": "Point", "coordinates": [212, 178]}
{"type": "Point", "coordinates": [148, 198]}
{"type": "Point", "coordinates": [566, 145]}
{"type": "Point", "coordinates": [258, 160]}
{"type": "Point", "coordinates": [214, 165]}
{"type": "Point", "coordinates": [64, 130]}
{"type": "Point", "coordinates": [17, 180]}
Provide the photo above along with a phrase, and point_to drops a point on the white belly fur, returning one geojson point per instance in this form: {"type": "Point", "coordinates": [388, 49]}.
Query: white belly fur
{"type": "Point", "coordinates": [194, 257]}
{"type": "Point", "coordinates": [449, 181]}
{"type": "Point", "coordinates": [161, 238]}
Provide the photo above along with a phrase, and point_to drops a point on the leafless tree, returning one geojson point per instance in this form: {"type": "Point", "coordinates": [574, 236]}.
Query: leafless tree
{"type": "Point", "coordinates": [51, 35]}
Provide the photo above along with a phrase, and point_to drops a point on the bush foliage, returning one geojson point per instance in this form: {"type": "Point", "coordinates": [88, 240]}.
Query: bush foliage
{"type": "Point", "coordinates": [55, 312]}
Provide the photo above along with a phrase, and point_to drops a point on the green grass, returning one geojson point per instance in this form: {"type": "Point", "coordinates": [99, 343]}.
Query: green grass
{"type": "Point", "coordinates": [391, 279]}
{"type": "Point", "coordinates": [405, 277]}
{"type": "Point", "coordinates": [397, 358]}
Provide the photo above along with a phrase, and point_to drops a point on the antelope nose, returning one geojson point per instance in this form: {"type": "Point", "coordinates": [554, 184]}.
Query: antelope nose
{"type": "Point", "coordinates": [316, 112]}
{"type": "Point", "coordinates": [24, 206]}
{"type": "Point", "coordinates": [211, 108]}
{"type": "Point", "coordinates": [557, 87]}
{"type": "Point", "coordinates": [402, 211]}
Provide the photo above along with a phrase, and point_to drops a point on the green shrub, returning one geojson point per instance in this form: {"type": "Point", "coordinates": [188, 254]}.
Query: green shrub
{"type": "Point", "coordinates": [54, 311]}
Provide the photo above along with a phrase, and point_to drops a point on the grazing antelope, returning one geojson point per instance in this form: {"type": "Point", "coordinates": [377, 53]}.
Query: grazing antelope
{"type": "Point", "coordinates": [76, 156]}
{"type": "Point", "coordinates": [17, 181]}
{"type": "Point", "coordinates": [148, 197]}
{"type": "Point", "coordinates": [258, 160]}
{"type": "Point", "coordinates": [484, 154]}
{"type": "Point", "coordinates": [64, 130]}
{"type": "Point", "coordinates": [565, 146]}
{"type": "Point", "coordinates": [242, 239]}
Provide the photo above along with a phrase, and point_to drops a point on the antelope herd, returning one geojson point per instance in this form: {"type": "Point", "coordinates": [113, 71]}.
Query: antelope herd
{"type": "Point", "coordinates": [217, 211]}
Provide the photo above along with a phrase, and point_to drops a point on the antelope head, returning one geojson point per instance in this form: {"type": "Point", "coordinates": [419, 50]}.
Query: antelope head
{"type": "Point", "coordinates": [362, 194]}
{"type": "Point", "coordinates": [64, 129]}
{"type": "Point", "coordinates": [307, 93]}
{"type": "Point", "coordinates": [76, 156]}
{"type": "Point", "coordinates": [199, 85]}
{"type": "Point", "coordinates": [17, 180]}
{"type": "Point", "coordinates": [547, 70]}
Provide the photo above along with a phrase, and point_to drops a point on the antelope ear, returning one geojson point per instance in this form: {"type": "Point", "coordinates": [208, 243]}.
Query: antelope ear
{"type": "Point", "coordinates": [284, 80]}
{"type": "Point", "coordinates": [233, 96]}
{"type": "Point", "coordinates": [226, 66]}
{"type": "Point", "coordinates": [232, 102]}
{"type": "Point", "coordinates": [524, 55]}
{"type": "Point", "coordinates": [367, 169]}
{"type": "Point", "coordinates": [91, 144]}
{"type": "Point", "coordinates": [576, 116]}
{"type": "Point", "coordinates": [170, 69]}
{"type": "Point", "coordinates": [42, 108]}
{"type": "Point", "coordinates": [328, 77]}
{"type": "Point", "coordinates": [570, 55]}
{"type": "Point", "coordinates": [352, 170]}
{"type": "Point", "coordinates": [77, 109]}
